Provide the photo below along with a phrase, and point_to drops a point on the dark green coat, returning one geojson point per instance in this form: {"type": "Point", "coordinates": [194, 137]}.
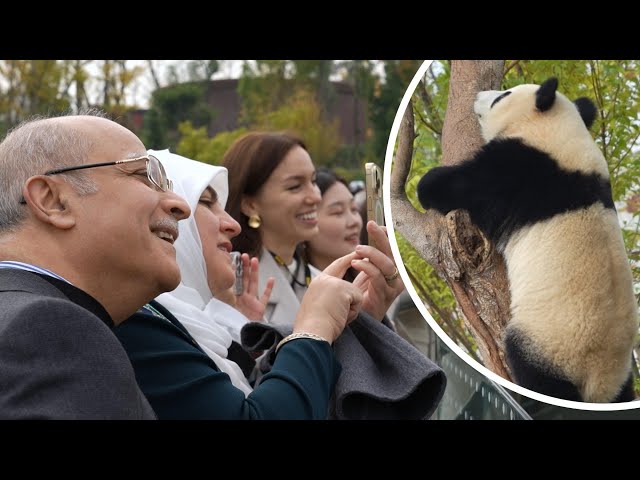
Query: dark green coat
{"type": "Point", "coordinates": [182, 382]}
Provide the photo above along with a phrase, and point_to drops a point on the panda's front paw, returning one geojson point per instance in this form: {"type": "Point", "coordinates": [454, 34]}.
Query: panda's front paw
{"type": "Point", "coordinates": [435, 189]}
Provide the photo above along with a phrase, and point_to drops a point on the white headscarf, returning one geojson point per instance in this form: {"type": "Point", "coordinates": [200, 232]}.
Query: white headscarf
{"type": "Point", "coordinates": [211, 322]}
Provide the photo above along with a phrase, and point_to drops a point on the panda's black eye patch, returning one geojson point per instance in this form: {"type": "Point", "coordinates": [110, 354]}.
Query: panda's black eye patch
{"type": "Point", "coordinates": [499, 98]}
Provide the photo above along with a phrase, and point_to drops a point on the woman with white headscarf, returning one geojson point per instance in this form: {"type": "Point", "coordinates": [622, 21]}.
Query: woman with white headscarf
{"type": "Point", "coordinates": [211, 322]}
{"type": "Point", "coordinates": [178, 343]}
{"type": "Point", "coordinates": [214, 324]}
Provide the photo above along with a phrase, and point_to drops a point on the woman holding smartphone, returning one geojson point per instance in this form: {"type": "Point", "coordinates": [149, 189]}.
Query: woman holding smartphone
{"type": "Point", "coordinates": [274, 197]}
{"type": "Point", "coordinates": [339, 224]}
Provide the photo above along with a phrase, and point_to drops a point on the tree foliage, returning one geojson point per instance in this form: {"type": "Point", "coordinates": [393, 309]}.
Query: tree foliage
{"type": "Point", "coordinates": [274, 94]}
{"type": "Point", "coordinates": [42, 87]}
{"type": "Point", "coordinates": [171, 106]}
{"type": "Point", "coordinates": [195, 143]}
{"type": "Point", "coordinates": [297, 95]}
{"type": "Point", "coordinates": [31, 87]}
{"type": "Point", "coordinates": [385, 99]}
{"type": "Point", "coordinates": [615, 88]}
{"type": "Point", "coordinates": [301, 114]}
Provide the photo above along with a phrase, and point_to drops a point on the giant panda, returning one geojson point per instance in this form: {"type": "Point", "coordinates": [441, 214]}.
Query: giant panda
{"type": "Point", "coordinates": [539, 190]}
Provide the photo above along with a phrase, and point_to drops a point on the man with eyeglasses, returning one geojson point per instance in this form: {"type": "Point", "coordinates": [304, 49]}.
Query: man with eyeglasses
{"type": "Point", "coordinates": [87, 225]}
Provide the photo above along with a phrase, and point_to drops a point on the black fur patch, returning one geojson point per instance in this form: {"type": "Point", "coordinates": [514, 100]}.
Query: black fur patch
{"type": "Point", "coordinates": [505, 94]}
{"type": "Point", "coordinates": [533, 372]}
{"type": "Point", "coordinates": [546, 94]}
{"type": "Point", "coordinates": [626, 393]}
{"type": "Point", "coordinates": [587, 109]}
{"type": "Point", "coordinates": [508, 185]}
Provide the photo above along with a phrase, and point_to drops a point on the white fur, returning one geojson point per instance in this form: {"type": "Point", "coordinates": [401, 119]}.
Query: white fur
{"type": "Point", "coordinates": [570, 279]}
{"type": "Point", "coordinates": [559, 131]}
{"type": "Point", "coordinates": [572, 292]}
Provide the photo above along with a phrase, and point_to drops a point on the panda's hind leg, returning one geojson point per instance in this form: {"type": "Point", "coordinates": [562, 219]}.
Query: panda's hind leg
{"type": "Point", "coordinates": [530, 370]}
{"type": "Point", "coordinates": [626, 394]}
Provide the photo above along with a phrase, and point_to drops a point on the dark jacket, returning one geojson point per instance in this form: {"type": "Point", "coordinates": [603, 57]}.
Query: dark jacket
{"type": "Point", "coordinates": [59, 358]}
{"type": "Point", "coordinates": [182, 382]}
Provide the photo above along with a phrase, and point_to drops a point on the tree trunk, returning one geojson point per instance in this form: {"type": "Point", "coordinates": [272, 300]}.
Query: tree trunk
{"type": "Point", "coordinates": [458, 251]}
{"type": "Point", "coordinates": [154, 75]}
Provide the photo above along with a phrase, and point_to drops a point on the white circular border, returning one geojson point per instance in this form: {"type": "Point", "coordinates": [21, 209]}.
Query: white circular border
{"type": "Point", "coordinates": [418, 302]}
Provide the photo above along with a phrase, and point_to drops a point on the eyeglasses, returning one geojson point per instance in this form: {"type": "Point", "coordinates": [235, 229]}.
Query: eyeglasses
{"type": "Point", "coordinates": [155, 171]}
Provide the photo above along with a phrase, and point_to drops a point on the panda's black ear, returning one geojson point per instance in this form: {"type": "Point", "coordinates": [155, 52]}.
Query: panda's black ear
{"type": "Point", "coordinates": [546, 94]}
{"type": "Point", "coordinates": [587, 109]}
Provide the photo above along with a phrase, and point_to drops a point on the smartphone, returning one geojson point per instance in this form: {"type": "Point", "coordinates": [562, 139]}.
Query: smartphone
{"type": "Point", "coordinates": [373, 187]}
{"type": "Point", "coordinates": [236, 261]}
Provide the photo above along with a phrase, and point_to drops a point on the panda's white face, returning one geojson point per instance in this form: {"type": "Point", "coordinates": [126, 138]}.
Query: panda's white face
{"type": "Point", "coordinates": [496, 110]}
{"type": "Point", "coordinates": [543, 118]}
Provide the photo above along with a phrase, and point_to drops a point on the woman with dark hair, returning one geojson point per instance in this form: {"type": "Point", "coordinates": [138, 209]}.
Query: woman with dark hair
{"type": "Point", "coordinates": [339, 222]}
{"type": "Point", "coordinates": [273, 195]}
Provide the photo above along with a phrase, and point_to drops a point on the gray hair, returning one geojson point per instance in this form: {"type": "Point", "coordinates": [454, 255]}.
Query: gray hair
{"type": "Point", "coordinates": [33, 147]}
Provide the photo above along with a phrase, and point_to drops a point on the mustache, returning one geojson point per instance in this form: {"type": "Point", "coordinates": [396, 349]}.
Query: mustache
{"type": "Point", "coordinates": [167, 223]}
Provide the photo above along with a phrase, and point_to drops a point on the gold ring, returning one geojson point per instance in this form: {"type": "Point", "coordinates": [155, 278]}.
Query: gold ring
{"type": "Point", "coordinates": [392, 277]}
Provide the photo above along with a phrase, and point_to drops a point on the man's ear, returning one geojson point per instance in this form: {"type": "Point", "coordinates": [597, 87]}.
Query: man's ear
{"type": "Point", "coordinates": [47, 198]}
{"type": "Point", "coordinates": [247, 205]}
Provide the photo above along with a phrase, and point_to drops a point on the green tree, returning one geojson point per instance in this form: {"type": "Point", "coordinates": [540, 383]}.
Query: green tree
{"type": "Point", "coordinates": [263, 87]}
{"type": "Point", "coordinates": [116, 76]}
{"type": "Point", "coordinates": [195, 143]}
{"type": "Point", "coordinates": [31, 87]}
{"type": "Point", "coordinates": [171, 106]}
{"type": "Point", "coordinates": [301, 114]}
{"type": "Point", "coordinates": [385, 100]}
{"type": "Point", "coordinates": [298, 95]}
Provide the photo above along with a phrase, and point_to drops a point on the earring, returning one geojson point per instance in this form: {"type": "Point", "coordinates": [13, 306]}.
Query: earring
{"type": "Point", "coordinates": [254, 221]}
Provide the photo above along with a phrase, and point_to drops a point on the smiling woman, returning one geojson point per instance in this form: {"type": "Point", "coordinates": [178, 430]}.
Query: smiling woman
{"type": "Point", "coordinates": [274, 197]}
{"type": "Point", "coordinates": [339, 221]}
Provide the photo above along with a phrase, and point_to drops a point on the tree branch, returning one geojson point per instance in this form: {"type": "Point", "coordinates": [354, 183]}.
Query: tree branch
{"type": "Point", "coordinates": [457, 250]}
{"type": "Point", "coordinates": [509, 67]}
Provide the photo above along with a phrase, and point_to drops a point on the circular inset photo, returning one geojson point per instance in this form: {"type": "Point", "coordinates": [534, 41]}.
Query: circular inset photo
{"type": "Point", "coordinates": [513, 196]}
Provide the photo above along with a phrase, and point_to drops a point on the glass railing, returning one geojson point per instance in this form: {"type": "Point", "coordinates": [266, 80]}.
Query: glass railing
{"type": "Point", "coordinates": [472, 396]}
{"type": "Point", "coordinates": [469, 394]}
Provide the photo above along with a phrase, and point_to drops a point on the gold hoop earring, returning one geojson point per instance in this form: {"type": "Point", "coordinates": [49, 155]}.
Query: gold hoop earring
{"type": "Point", "coordinates": [254, 221]}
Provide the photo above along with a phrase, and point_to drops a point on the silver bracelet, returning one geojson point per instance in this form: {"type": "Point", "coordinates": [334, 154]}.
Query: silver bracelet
{"type": "Point", "coordinates": [296, 335]}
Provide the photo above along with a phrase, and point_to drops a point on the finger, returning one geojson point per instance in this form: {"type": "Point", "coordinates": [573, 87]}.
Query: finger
{"type": "Point", "coordinates": [381, 260]}
{"type": "Point", "coordinates": [340, 266]}
{"type": "Point", "coordinates": [254, 279]}
{"type": "Point", "coordinates": [246, 272]}
{"type": "Point", "coordinates": [264, 299]}
{"type": "Point", "coordinates": [355, 304]}
{"type": "Point", "coordinates": [379, 236]}
{"type": "Point", "coordinates": [255, 272]}
{"type": "Point", "coordinates": [370, 269]}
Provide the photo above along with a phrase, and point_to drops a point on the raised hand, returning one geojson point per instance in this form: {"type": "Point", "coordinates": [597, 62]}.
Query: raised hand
{"type": "Point", "coordinates": [249, 303]}
{"type": "Point", "coordinates": [330, 302]}
{"type": "Point", "coordinates": [378, 278]}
